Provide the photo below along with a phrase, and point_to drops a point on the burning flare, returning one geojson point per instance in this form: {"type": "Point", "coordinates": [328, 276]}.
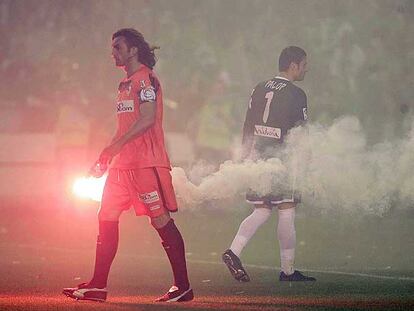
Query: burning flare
{"type": "Point", "coordinates": [89, 187]}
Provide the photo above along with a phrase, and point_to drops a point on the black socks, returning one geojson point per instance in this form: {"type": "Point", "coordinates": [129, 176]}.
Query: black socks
{"type": "Point", "coordinates": [106, 247]}
{"type": "Point", "coordinates": [173, 244]}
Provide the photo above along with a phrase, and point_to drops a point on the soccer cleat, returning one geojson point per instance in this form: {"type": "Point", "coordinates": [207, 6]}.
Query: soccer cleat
{"type": "Point", "coordinates": [235, 266]}
{"type": "Point", "coordinates": [84, 292]}
{"type": "Point", "coordinates": [175, 294]}
{"type": "Point", "coordinates": [296, 276]}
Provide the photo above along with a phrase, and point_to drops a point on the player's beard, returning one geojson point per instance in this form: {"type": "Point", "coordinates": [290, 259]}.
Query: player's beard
{"type": "Point", "coordinates": [117, 62]}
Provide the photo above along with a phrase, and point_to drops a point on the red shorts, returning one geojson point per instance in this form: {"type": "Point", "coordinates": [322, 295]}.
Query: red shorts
{"type": "Point", "coordinates": [148, 190]}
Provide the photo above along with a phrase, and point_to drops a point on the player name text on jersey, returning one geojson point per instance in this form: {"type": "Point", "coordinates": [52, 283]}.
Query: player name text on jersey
{"type": "Point", "coordinates": [275, 85]}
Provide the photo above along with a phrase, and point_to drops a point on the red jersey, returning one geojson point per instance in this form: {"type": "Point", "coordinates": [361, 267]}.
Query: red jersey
{"type": "Point", "coordinates": [148, 149]}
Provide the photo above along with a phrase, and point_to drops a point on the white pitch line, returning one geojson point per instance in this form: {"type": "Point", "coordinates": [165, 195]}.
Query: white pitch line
{"type": "Point", "coordinates": [374, 276]}
{"type": "Point", "coordinates": [366, 275]}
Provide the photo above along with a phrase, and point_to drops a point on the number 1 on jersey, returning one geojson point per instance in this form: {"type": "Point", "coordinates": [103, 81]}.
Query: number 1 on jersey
{"type": "Point", "coordinates": [269, 97]}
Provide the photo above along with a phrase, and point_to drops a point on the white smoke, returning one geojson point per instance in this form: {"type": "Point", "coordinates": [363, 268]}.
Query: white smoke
{"type": "Point", "coordinates": [333, 167]}
{"type": "Point", "coordinates": [231, 179]}
{"type": "Point", "coordinates": [337, 170]}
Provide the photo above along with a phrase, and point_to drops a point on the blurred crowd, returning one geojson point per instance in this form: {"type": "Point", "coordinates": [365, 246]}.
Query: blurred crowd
{"type": "Point", "coordinates": [57, 75]}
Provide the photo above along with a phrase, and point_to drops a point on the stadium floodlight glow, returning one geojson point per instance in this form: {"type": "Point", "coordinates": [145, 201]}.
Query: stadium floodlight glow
{"type": "Point", "coordinates": [89, 187]}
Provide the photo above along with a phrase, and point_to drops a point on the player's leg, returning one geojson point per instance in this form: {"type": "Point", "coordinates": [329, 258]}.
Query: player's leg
{"type": "Point", "coordinates": [106, 246]}
{"type": "Point", "coordinates": [247, 229]}
{"type": "Point", "coordinates": [286, 234]}
{"type": "Point", "coordinates": [173, 244]}
{"type": "Point", "coordinates": [115, 199]}
{"type": "Point", "coordinates": [156, 191]}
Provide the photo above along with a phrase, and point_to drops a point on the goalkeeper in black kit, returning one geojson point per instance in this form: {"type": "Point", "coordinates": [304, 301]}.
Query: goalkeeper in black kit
{"type": "Point", "coordinates": [275, 107]}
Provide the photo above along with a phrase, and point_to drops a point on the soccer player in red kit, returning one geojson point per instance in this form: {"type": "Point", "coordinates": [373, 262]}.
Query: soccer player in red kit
{"type": "Point", "coordinates": [139, 173]}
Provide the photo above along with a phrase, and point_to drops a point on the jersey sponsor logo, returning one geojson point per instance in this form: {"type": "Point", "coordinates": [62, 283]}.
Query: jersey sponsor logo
{"type": "Point", "coordinates": [148, 95]}
{"type": "Point", "coordinates": [305, 113]}
{"type": "Point", "coordinates": [267, 131]}
{"type": "Point", "coordinates": [149, 197]}
{"type": "Point", "coordinates": [275, 85]}
{"type": "Point", "coordinates": [153, 208]}
{"type": "Point", "coordinates": [125, 106]}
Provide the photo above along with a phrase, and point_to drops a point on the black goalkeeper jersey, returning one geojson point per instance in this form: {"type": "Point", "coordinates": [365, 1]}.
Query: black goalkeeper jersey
{"type": "Point", "coordinates": [275, 107]}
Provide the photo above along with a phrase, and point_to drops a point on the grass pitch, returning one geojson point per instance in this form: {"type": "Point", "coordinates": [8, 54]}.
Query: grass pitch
{"type": "Point", "coordinates": [359, 266]}
{"type": "Point", "coordinates": [136, 280]}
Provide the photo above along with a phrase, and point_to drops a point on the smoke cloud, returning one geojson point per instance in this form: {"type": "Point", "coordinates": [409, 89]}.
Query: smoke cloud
{"type": "Point", "coordinates": [333, 167]}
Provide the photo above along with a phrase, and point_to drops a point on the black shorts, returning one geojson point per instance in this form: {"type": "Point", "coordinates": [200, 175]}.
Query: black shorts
{"type": "Point", "coordinates": [273, 199]}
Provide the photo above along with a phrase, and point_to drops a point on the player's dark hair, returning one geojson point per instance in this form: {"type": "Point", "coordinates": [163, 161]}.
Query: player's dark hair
{"type": "Point", "coordinates": [291, 54]}
{"type": "Point", "coordinates": [133, 37]}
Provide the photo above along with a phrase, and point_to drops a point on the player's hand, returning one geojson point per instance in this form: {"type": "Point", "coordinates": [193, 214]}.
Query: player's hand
{"type": "Point", "coordinates": [98, 169]}
{"type": "Point", "coordinates": [108, 153]}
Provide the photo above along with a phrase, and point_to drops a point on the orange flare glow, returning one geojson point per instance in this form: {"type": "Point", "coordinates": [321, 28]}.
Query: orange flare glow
{"type": "Point", "coordinates": [89, 187]}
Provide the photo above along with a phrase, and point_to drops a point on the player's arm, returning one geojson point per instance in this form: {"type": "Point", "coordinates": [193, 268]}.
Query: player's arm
{"type": "Point", "coordinates": [248, 130]}
{"type": "Point", "coordinates": [247, 140]}
{"type": "Point", "coordinates": [144, 122]}
{"type": "Point", "coordinates": [305, 108]}
{"type": "Point", "coordinates": [301, 113]}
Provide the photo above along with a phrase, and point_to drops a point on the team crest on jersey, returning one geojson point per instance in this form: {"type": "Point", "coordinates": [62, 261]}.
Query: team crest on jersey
{"type": "Point", "coordinates": [148, 95]}
{"type": "Point", "coordinates": [305, 114]}
{"type": "Point", "coordinates": [267, 131]}
{"type": "Point", "coordinates": [149, 197]}
{"type": "Point", "coordinates": [125, 106]}
{"type": "Point", "coordinates": [142, 83]}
